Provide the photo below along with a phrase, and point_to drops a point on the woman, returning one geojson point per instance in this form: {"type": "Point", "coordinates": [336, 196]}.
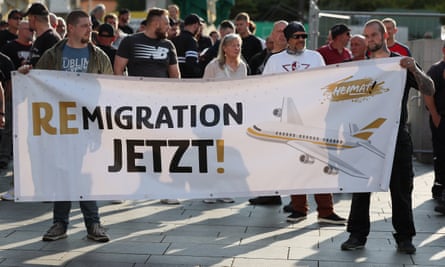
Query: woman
{"type": "Point", "coordinates": [228, 63]}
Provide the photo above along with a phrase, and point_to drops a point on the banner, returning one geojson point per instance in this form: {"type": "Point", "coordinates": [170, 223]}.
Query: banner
{"type": "Point", "coordinates": [97, 137]}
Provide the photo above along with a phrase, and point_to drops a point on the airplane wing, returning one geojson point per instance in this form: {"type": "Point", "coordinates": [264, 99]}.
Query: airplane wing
{"type": "Point", "coordinates": [324, 156]}
{"type": "Point", "coordinates": [372, 148]}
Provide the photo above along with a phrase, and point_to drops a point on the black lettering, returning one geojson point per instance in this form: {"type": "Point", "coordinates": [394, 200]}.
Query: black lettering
{"type": "Point", "coordinates": [156, 148]}
{"type": "Point", "coordinates": [132, 155]}
{"type": "Point", "coordinates": [202, 153]}
{"type": "Point", "coordinates": [182, 148]}
{"type": "Point", "coordinates": [236, 115]}
{"type": "Point", "coordinates": [203, 115]}
{"type": "Point", "coordinates": [192, 116]}
{"type": "Point", "coordinates": [164, 116]}
{"type": "Point", "coordinates": [117, 156]}
{"type": "Point", "coordinates": [86, 116]}
{"type": "Point", "coordinates": [143, 115]}
{"type": "Point", "coordinates": [180, 112]}
{"type": "Point", "coordinates": [119, 118]}
{"type": "Point", "coordinates": [109, 116]}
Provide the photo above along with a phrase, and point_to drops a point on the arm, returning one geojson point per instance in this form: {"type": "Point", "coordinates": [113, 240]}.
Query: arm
{"type": "Point", "coordinates": [173, 71]}
{"type": "Point", "coordinates": [431, 106]}
{"type": "Point", "coordinates": [119, 65]}
{"type": "Point", "coordinates": [425, 84]}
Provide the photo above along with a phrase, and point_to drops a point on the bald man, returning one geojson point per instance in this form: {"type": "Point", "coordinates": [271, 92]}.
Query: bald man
{"type": "Point", "coordinates": [358, 47]}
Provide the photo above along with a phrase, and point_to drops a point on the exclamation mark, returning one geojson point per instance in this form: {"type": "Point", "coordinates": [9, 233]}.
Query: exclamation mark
{"type": "Point", "coordinates": [220, 154]}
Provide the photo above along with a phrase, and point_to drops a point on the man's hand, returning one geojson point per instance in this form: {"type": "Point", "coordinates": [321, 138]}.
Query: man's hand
{"type": "Point", "coordinates": [24, 69]}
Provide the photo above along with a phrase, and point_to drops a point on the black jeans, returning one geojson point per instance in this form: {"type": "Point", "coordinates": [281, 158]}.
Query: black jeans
{"type": "Point", "coordinates": [401, 187]}
{"type": "Point", "coordinates": [438, 140]}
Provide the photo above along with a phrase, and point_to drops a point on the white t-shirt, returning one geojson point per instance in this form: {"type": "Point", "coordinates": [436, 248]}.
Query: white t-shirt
{"type": "Point", "coordinates": [213, 71]}
{"type": "Point", "coordinates": [285, 62]}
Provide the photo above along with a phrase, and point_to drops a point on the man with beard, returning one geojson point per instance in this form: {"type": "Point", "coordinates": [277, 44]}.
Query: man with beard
{"type": "Point", "coordinates": [187, 48]}
{"type": "Point", "coordinates": [76, 53]}
{"type": "Point", "coordinates": [149, 53]}
{"type": "Point", "coordinates": [401, 183]}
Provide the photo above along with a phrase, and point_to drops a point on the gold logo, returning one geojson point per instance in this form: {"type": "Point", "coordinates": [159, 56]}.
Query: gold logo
{"type": "Point", "coordinates": [355, 90]}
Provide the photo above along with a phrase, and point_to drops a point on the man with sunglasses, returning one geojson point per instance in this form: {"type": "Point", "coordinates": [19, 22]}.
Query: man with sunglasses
{"type": "Point", "coordinates": [335, 51]}
{"type": "Point", "coordinates": [14, 18]}
{"type": "Point", "coordinates": [297, 58]}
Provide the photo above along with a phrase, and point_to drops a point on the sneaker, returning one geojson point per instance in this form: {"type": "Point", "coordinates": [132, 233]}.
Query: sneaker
{"type": "Point", "coordinates": [97, 233]}
{"type": "Point", "coordinates": [226, 200]}
{"type": "Point", "coordinates": [209, 200]}
{"type": "Point", "coordinates": [266, 200]}
{"type": "Point", "coordinates": [288, 208]}
{"type": "Point", "coordinates": [170, 201]}
{"type": "Point", "coordinates": [405, 246]}
{"type": "Point", "coordinates": [332, 219]}
{"type": "Point", "coordinates": [436, 191]}
{"type": "Point", "coordinates": [296, 217]}
{"type": "Point", "coordinates": [117, 201]}
{"type": "Point", "coordinates": [214, 200]}
{"type": "Point", "coordinates": [9, 195]}
{"type": "Point", "coordinates": [56, 232]}
{"type": "Point", "coordinates": [353, 243]}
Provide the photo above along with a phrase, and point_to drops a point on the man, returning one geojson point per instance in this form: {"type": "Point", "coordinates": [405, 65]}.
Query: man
{"type": "Point", "coordinates": [297, 58]}
{"type": "Point", "coordinates": [393, 44]}
{"type": "Point", "coordinates": [437, 74]}
{"type": "Point", "coordinates": [124, 21]}
{"type": "Point", "coordinates": [173, 31]}
{"type": "Point", "coordinates": [251, 44]}
{"type": "Point", "coordinates": [174, 14]}
{"type": "Point", "coordinates": [61, 27]}
{"type": "Point", "coordinates": [111, 19]}
{"type": "Point", "coordinates": [105, 37]}
{"type": "Point", "coordinates": [46, 36]}
{"type": "Point", "coordinates": [358, 47]}
{"type": "Point", "coordinates": [18, 49]}
{"type": "Point", "coordinates": [336, 51]}
{"type": "Point", "coordinates": [149, 53]}
{"type": "Point", "coordinates": [401, 183]}
{"type": "Point", "coordinates": [225, 27]}
{"type": "Point", "coordinates": [76, 53]}
{"type": "Point", "coordinates": [97, 14]}
{"type": "Point", "coordinates": [14, 18]}
{"type": "Point", "coordinates": [278, 42]}
{"type": "Point", "coordinates": [187, 48]}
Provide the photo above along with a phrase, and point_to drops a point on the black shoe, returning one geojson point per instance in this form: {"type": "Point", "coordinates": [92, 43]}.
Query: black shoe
{"type": "Point", "coordinates": [353, 243]}
{"type": "Point", "coordinates": [406, 246]}
{"type": "Point", "coordinates": [288, 208]}
{"type": "Point", "coordinates": [266, 200]}
{"type": "Point", "coordinates": [332, 219]}
{"type": "Point", "coordinates": [296, 217]}
{"type": "Point", "coordinates": [440, 208]}
{"type": "Point", "coordinates": [436, 191]}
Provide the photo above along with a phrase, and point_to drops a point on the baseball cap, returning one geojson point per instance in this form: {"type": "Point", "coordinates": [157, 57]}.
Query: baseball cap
{"type": "Point", "coordinates": [37, 9]}
{"type": "Point", "coordinates": [192, 19]}
{"type": "Point", "coordinates": [14, 12]}
{"type": "Point", "coordinates": [293, 27]}
{"type": "Point", "coordinates": [338, 29]}
{"type": "Point", "coordinates": [105, 30]}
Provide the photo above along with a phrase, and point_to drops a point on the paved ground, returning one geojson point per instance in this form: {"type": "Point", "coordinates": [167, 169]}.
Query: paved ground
{"type": "Point", "coordinates": [147, 233]}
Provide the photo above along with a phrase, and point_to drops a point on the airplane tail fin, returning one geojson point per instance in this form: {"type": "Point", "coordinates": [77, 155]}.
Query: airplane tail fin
{"type": "Point", "coordinates": [289, 112]}
{"type": "Point", "coordinates": [366, 132]}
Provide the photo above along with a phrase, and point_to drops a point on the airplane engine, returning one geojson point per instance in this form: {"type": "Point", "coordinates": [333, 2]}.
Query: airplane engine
{"type": "Point", "coordinates": [330, 170]}
{"type": "Point", "coordinates": [305, 158]}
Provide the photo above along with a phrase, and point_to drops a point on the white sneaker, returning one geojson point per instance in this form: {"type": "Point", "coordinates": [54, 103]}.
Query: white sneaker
{"type": "Point", "coordinates": [170, 201]}
{"type": "Point", "coordinates": [209, 200]}
{"type": "Point", "coordinates": [9, 195]}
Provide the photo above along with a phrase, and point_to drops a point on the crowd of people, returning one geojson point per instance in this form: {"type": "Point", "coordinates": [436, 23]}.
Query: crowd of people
{"type": "Point", "coordinates": [170, 47]}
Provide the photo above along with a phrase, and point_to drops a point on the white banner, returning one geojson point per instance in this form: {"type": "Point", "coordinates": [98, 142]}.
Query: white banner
{"type": "Point", "coordinates": [85, 137]}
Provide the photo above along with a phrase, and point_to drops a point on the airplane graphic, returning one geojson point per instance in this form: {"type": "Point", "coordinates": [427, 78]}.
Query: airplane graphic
{"type": "Point", "coordinates": [316, 143]}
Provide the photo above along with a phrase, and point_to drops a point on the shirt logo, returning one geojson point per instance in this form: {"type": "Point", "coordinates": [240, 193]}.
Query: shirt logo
{"type": "Point", "coordinates": [150, 52]}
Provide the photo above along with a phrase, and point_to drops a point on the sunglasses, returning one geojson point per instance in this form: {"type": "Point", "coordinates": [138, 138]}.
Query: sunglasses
{"type": "Point", "coordinates": [17, 18]}
{"type": "Point", "coordinates": [298, 36]}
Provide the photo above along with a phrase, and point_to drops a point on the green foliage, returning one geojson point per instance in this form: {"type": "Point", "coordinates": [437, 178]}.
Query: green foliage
{"type": "Point", "coordinates": [131, 4]}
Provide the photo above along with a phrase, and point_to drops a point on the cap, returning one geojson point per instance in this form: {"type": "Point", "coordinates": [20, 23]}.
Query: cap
{"type": "Point", "coordinates": [192, 19]}
{"type": "Point", "coordinates": [293, 27]}
{"type": "Point", "coordinates": [105, 30]}
{"type": "Point", "coordinates": [37, 9]}
{"type": "Point", "coordinates": [172, 22]}
{"type": "Point", "coordinates": [13, 12]}
{"type": "Point", "coordinates": [338, 29]}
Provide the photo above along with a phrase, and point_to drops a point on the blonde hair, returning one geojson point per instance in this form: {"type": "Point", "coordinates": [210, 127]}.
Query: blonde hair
{"type": "Point", "coordinates": [226, 39]}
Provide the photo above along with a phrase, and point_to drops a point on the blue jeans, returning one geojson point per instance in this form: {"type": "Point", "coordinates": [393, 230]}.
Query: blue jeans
{"type": "Point", "coordinates": [89, 210]}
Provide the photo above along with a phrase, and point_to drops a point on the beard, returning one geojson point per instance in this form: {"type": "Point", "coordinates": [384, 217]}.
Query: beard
{"type": "Point", "coordinates": [375, 48]}
{"type": "Point", "coordinates": [160, 34]}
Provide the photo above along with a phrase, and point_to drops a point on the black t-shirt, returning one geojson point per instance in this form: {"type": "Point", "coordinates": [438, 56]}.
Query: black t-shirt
{"type": "Point", "coordinates": [17, 52]}
{"type": "Point", "coordinates": [43, 43]}
{"type": "Point", "coordinates": [110, 51]}
{"type": "Point", "coordinates": [147, 57]}
{"type": "Point", "coordinates": [6, 37]}
{"type": "Point", "coordinates": [251, 46]}
{"type": "Point", "coordinates": [188, 55]}
{"type": "Point", "coordinates": [127, 29]}
{"type": "Point", "coordinates": [437, 74]}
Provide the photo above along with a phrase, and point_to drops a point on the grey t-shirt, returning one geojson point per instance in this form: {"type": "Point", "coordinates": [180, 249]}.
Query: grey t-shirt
{"type": "Point", "coordinates": [147, 57]}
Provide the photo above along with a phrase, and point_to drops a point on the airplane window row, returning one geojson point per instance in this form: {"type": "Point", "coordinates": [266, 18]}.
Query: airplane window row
{"type": "Point", "coordinates": [311, 138]}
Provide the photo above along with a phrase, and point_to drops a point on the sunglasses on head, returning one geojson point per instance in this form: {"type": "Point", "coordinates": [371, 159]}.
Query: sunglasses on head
{"type": "Point", "coordinates": [298, 36]}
